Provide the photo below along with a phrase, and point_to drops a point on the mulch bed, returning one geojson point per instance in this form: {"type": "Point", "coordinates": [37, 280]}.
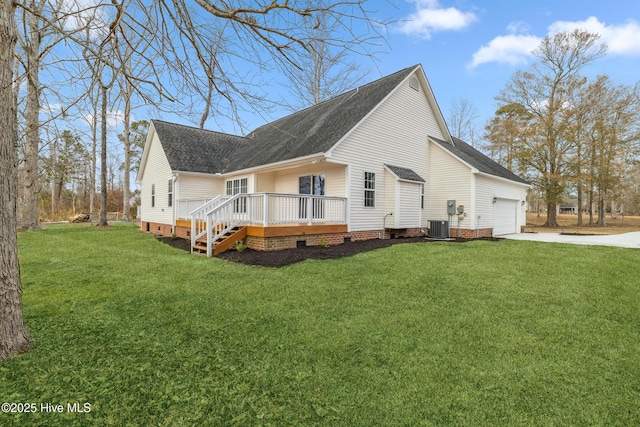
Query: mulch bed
{"type": "Point", "coordinates": [290, 256]}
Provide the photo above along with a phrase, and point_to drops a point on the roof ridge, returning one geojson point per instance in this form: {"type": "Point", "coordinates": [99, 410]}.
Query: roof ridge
{"type": "Point", "coordinates": [197, 128]}
{"type": "Point", "coordinates": [333, 98]}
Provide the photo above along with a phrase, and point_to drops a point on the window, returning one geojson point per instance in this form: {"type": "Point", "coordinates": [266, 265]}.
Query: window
{"type": "Point", "coordinates": [238, 186]}
{"type": "Point", "coordinates": [422, 196]}
{"type": "Point", "coordinates": [369, 189]}
{"type": "Point", "coordinates": [312, 185]}
{"type": "Point", "coordinates": [414, 84]}
{"type": "Point", "coordinates": [170, 192]}
{"type": "Point", "coordinates": [153, 195]}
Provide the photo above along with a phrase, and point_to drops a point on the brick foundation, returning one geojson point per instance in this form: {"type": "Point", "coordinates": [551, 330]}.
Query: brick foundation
{"type": "Point", "coordinates": [287, 242]}
{"type": "Point", "coordinates": [165, 229]}
{"type": "Point", "coordinates": [465, 233]}
{"type": "Point", "coordinates": [156, 228]}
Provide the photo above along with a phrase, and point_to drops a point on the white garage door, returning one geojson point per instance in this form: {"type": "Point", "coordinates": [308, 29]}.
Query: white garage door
{"type": "Point", "coordinates": [504, 217]}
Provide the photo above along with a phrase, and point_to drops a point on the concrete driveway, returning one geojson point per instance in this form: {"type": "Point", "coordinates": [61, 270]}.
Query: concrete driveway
{"type": "Point", "coordinates": [625, 240]}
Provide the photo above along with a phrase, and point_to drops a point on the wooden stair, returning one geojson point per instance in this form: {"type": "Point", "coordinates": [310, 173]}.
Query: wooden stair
{"type": "Point", "coordinates": [222, 243]}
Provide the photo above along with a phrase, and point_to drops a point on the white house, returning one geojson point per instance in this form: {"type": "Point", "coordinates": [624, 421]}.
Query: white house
{"type": "Point", "coordinates": [377, 161]}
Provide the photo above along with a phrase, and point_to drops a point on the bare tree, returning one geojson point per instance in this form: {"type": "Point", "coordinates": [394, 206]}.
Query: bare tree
{"type": "Point", "coordinates": [544, 92]}
{"type": "Point", "coordinates": [265, 34]}
{"type": "Point", "coordinates": [14, 338]}
{"type": "Point", "coordinates": [463, 117]}
{"type": "Point", "coordinates": [613, 126]}
{"type": "Point", "coordinates": [325, 70]}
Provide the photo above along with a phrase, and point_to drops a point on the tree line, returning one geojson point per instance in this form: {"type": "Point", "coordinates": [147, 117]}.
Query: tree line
{"type": "Point", "coordinates": [569, 134]}
{"type": "Point", "coordinates": [65, 65]}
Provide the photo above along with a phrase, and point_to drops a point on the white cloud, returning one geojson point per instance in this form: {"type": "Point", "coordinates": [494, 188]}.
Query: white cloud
{"type": "Point", "coordinates": [430, 17]}
{"type": "Point", "coordinates": [515, 49]}
{"type": "Point", "coordinates": [114, 119]}
{"type": "Point", "coordinates": [518, 27]}
{"type": "Point", "coordinates": [51, 109]}
{"type": "Point", "coordinates": [621, 39]}
{"type": "Point", "coordinates": [512, 49]}
{"type": "Point", "coordinates": [84, 15]}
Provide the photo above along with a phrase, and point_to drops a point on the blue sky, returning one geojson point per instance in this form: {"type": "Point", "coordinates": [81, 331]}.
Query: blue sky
{"type": "Point", "coordinates": [470, 48]}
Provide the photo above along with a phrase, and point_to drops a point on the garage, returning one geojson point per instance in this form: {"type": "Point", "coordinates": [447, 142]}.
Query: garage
{"type": "Point", "coordinates": [505, 217]}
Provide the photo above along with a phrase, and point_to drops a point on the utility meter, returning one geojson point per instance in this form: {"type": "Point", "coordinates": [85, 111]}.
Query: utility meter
{"type": "Point", "coordinates": [451, 207]}
{"type": "Point", "coordinates": [460, 209]}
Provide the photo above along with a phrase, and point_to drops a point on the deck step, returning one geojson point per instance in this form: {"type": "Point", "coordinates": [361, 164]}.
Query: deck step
{"type": "Point", "coordinates": [222, 243]}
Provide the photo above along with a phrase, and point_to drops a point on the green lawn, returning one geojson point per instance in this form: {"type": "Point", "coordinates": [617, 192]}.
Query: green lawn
{"type": "Point", "coordinates": [482, 333]}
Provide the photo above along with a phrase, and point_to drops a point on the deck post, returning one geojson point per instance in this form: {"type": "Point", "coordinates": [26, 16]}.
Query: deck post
{"type": "Point", "coordinates": [265, 209]}
{"type": "Point", "coordinates": [209, 226]}
{"type": "Point", "coordinates": [193, 230]}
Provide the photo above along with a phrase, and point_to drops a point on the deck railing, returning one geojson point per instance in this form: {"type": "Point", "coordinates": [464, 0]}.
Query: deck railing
{"type": "Point", "coordinates": [275, 208]}
{"type": "Point", "coordinates": [198, 215]}
{"type": "Point", "coordinates": [217, 216]}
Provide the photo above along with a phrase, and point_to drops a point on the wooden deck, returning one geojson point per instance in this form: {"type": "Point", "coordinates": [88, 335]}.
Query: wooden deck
{"type": "Point", "coordinates": [295, 230]}
{"type": "Point", "coordinates": [283, 229]}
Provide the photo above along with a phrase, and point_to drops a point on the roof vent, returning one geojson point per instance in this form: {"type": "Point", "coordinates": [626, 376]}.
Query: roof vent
{"type": "Point", "coordinates": [414, 84]}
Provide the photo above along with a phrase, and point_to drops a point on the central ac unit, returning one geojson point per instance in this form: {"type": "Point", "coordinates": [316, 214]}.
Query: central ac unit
{"type": "Point", "coordinates": [438, 229]}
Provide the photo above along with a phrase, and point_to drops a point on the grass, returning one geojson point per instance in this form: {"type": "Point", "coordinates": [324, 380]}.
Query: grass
{"type": "Point", "coordinates": [482, 333]}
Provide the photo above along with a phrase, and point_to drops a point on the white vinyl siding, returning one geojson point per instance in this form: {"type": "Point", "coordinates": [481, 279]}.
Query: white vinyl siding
{"type": "Point", "coordinates": [395, 133]}
{"type": "Point", "coordinates": [402, 199]}
{"type": "Point", "coordinates": [335, 178]}
{"type": "Point", "coordinates": [450, 180]}
{"type": "Point", "coordinates": [266, 182]}
{"type": "Point", "coordinates": [487, 188]}
{"type": "Point", "coordinates": [193, 186]}
{"type": "Point", "coordinates": [158, 172]}
{"type": "Point", "coordinates": [410, 214]}
{"type": "Point", "coordinates": [390, 199]}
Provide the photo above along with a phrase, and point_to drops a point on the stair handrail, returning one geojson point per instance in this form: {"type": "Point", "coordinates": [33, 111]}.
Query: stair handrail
{"type": "Point", "coordinates": [221, 218]}
{"type": "Point", "coordinates": [199, 216]}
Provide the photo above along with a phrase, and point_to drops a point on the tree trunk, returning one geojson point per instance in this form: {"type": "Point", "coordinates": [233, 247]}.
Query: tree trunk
{"type": "Point", "coordinates": [92, 175]}
{"type": "Point", "coordinates": [14, 338]}
{"type": "Point", "coordinates": [602, 210]}
{"type": "Point", "coordinates": [103, 160]}
{"type": "Point", "coordinates": [126, 139]}
{"type": "Point", "coordinates": [591, 206]}
{"type": "Point", "coordinates": [551, 215]}
{"type": "Point", "coordinates": [579, 205]}
{"type": "Point", "coordinates": [32, 143]}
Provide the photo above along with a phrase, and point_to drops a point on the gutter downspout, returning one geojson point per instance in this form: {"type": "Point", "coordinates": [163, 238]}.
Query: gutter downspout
{"type": "Point", "coordinates": [384, 223]}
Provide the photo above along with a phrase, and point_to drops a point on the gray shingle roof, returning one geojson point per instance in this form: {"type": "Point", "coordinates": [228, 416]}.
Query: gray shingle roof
{"type": "Point", "coordinates": [315, 129]}
{"type": "Point", "coordinates": [190, 149]}
{"type": "Point", "coordinates": [311, 131]}
{"type": "Point", "coordinates": [478, 160]}
{"type": "Point", "coordinates": [405, 173]}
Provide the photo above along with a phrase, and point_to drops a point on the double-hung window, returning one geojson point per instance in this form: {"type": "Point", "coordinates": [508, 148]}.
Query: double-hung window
{"type": "Point", "coordinates": [170, 192]}
{"type": "Point", "coordinates": [369, 189]}
{"type": "Point", "coordinates": [153, 195]}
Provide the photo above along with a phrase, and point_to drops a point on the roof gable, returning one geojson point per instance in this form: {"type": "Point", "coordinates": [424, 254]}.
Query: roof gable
{"type": "Point", "coordinates": [478, 160]}
{"type": "Point", "coordinates": [312, 131]}
{"type": "Point", "coordinates": [404, 174]}
{"type": "Point", "coordinates": [315, 129]}
{"type": "Point", "coordinates": [190, 149]}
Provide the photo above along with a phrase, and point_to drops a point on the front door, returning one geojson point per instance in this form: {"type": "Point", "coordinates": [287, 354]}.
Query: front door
{"type": "Point", "coordinates": [312, 185]}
